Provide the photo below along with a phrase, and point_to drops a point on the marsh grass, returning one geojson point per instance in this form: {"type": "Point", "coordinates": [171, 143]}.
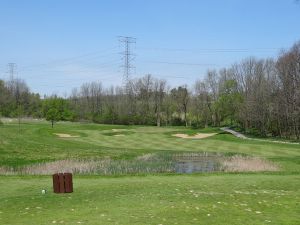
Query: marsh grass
{"type": "Point", "coordinates": [147, 164]}
{"type": "Point", "coordinates": [247, 164]}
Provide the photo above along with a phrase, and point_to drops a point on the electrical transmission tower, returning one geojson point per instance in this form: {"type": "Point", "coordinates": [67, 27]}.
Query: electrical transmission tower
{"type": "Point", "coordinates": [12, 68]}
{"type": "Point", "coordinates": [127, 56]}
{"type": "Point", "coordinates": [12, 71]}
{"type": "Point", "coordinates": [14, 86]}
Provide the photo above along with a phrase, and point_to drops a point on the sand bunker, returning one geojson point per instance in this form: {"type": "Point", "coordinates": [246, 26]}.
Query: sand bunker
{"type": "Point", "coordinates": [65, 135]}
{"type": "Point", "coordinates": [196, 136]}
{"type": "Point", "coordinates": [118, 130]}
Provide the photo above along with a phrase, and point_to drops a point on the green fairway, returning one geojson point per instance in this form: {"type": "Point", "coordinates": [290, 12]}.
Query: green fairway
{"type": "Point", "coordinates": [206, 198]}
{"type": "Point", "coordinates": [37, 142]}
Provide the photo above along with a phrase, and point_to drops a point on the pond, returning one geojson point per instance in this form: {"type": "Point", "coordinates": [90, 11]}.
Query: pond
{"type": "Point", "coordinates": [204, 164]}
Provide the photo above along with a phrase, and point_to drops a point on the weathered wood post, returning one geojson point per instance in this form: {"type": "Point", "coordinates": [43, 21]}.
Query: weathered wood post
{"type": "Point", "coordinates": [55, 183]}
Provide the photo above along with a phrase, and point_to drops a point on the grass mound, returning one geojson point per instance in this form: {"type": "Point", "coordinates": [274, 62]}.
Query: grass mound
{"type": "Point", "coordinates": [118, 133]}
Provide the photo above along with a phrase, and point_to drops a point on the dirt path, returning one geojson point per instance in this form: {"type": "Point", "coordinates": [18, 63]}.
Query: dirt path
{"type": "Point", "coordinates": [235, 133]}
{"type": "Point", "coordinates": [242, 136]}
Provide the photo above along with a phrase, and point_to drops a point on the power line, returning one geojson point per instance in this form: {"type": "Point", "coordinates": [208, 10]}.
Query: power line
{"type": "Point", "coordinates": [81, 80]}
{"type": "Point", "coordinates": [103, 69]}
{"type": "Point", "coordinates": [212, 50]}
{"type": "Point", "coordinates": [72, 59]}
{"type": "Point", "coordinates": [128, 57]}
{"type": "Point", "coordinates": [180, 63]}
{"type": "Point", "coordinates": [85, 65]}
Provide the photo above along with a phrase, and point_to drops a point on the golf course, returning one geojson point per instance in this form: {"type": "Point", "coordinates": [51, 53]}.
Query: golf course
{"type": "Point", "coordinates": [132, 190]}
{"type": "Point", "coordinates": [153, 112]}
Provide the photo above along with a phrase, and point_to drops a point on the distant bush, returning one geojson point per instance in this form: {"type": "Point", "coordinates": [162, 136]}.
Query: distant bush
{"type": "Point", "coordinates": [197, 125]}
{"type": "Point", "coordinates": [253, 132]}
{"type": "Point", "coordinates": [176, 121]}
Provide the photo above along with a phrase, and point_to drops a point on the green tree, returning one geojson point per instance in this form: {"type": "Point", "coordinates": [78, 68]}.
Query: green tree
{"type": "Point", "coordinates": [53, 116]}
{"type": "Point", "coordinates": [229, 101]}
{"type": "Point", "coordinates": [56, 109]}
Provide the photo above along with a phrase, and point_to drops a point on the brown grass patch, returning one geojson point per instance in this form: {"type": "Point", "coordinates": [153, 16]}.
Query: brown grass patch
{"type": "Point", "coordinates": [60, 166]}
{"type": "Point", "coordinates": [196, 136]}
{"type": "Point", "coordinates": [247, 164]}
{"type": "Point", "coordinates": [146, 157]}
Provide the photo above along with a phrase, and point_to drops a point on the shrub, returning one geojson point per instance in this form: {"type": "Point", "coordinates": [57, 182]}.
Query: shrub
{"type": "Point", "coordinates": [197, 125]}
{"type": "Point", "coordinates": [177, 121]}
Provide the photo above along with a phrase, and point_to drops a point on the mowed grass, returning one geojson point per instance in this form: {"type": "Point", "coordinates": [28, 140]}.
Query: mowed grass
{"type": "Point", "coordinates": [37, 142]}
{"type": "Point", "coordinates": [179, 199]}
{"type": "Point", "coordinates": [211, 198]}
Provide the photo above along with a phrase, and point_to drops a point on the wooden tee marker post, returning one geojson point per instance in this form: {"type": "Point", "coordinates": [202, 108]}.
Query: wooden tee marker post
{"type": "Point", "coordinates": [62, 183]}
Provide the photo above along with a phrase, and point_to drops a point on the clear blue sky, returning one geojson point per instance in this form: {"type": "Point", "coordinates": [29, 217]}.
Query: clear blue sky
{"type": "Point", "coordinates": [59, 44]}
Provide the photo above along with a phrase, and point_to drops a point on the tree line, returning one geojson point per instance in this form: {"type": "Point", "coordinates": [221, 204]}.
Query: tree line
{"type": "Point", "coordinates": [259, 96]}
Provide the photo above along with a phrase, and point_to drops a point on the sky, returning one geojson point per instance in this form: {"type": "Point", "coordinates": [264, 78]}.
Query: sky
{"type": "Point", "coordinates": [60, 44]}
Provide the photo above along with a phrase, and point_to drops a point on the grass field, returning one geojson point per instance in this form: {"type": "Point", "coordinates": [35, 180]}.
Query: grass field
{"type": "Point", "coordinates": [204, 198]}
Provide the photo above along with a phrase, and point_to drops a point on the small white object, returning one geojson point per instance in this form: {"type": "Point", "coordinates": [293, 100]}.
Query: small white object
{"type": "Point", "coordinates": [43, 191]}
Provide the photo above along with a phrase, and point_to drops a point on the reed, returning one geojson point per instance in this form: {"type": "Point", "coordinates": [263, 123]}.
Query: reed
{"type": "Point", "coordinates": [148, 164]}
{"type": "Point", "coordinates": [247, 164]}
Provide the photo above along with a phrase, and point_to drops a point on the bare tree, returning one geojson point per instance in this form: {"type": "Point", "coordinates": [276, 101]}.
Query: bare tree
{"type": "Point", "coordinates": [159, 95]}
{"type": "Point", "coordinates": [182, 97]}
